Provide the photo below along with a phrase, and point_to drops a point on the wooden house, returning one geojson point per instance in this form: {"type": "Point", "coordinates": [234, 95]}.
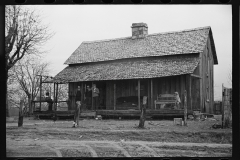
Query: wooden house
{"type": "Point", "coordinates": [126, 69]}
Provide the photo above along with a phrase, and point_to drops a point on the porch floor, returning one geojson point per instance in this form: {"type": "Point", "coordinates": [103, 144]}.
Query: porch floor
{"type": "Point", "coordinates": [115, 113]}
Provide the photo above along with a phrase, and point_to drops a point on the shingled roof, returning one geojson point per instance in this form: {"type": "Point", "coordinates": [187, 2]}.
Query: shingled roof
{"type": "Point", "coordinates": [129, 69]}
{"type": "Point", "coordinates": [161, 44]}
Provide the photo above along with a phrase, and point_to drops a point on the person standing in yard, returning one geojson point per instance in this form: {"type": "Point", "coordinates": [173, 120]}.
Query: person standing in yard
{"type": "Point", "coordinates": [95, 97]}
{"type": "Point", "coordinates": [77, 107]}
{"type": "Point", "coordinates": [88, 95]}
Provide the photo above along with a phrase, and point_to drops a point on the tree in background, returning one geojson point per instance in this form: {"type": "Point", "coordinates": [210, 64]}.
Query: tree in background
{"type": "Point", "coordinates": [63, 92]}
{"type": "Point", "coordinates": [15, 93]}
{"type": "Point", "coordinates": [25, 72]}
{"type": "Point", "coordinates": [24, 35]}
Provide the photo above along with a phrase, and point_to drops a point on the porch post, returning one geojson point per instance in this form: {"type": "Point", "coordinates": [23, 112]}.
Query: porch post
{"type": "Point", "coordinates": [82, 96]}
{"type": "Point", "coordinates": [189, 95]}
{"type": "Point", "coordinates": [114, 95]}
{"type": "Point", "coordinates": [151, 94]}
{"type": "Point", "coordinates": [54, 88]}
{"type": "Point", "coordinates": [92, 96]}
{"type": "Point", "coordinates": [56, 97]}
{"type": "Point", "coordinates": [139, 94]}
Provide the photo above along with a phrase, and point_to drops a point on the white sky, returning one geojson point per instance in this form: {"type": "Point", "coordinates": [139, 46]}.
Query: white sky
{"type": "Point", "coordinates": [74, 24]}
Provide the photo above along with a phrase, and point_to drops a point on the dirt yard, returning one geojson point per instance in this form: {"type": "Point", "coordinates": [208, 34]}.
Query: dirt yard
{"type": "Point", "coordinates": [117, 138]}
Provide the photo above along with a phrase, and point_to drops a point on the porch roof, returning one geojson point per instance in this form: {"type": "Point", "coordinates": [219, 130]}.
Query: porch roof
{"type": "Point", "coordinates": [129, 69]}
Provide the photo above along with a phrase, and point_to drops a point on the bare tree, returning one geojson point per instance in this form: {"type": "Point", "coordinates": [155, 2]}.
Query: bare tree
{"type": "Point", "coordinates": [15, 94]}
{"type": "Point", "coordinates": [24, 35]}
{"type": "Point", "coordinates": [26, 71]}
{"type": "Point", "coordinates": [63, 92]}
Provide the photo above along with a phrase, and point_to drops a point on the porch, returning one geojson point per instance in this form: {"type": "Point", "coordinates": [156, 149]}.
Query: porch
{"type": "Point", "coordinates": [160, 113]}
{"type": "Point", "coordinates": [127, 94]}
{"type": "Point", "coordinates": [130, 113]}
{"type": "Point", "coordinates": [69, 114]}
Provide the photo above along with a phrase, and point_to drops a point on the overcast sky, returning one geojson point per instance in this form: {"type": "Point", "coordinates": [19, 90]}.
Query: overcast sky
{"type": "Point", "coordinates": [74, 24]}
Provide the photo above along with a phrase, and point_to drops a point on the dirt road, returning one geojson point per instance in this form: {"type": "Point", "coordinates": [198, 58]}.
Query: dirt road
{"type": "Point", "coordinates": [70, 148]}
{"type": "Point", "coordinates": [112, 138]}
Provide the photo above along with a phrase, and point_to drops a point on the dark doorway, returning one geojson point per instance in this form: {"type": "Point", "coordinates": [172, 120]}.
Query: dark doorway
{"type": "Point", "coordinates": [88, 95]}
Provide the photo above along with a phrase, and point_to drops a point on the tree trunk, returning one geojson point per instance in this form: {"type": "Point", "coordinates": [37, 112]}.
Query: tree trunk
{"type": "Point", "coordinates": [30, 109]}
{"type": "Point", "coordinates": [7, 107]}
{"type": "Point", "coordinates": [20, 118]}
{"type": "Point", "coordinates": [143, 113]}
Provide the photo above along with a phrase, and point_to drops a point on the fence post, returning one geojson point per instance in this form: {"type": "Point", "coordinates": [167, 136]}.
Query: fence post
{"type": "Point", "coordinates": [185, 108]}
{"type": "Point", "coordinates": [143, 113]}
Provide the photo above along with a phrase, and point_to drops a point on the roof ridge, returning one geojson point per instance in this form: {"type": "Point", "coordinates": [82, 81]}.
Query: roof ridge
{"type": "Point", "coordinates": [185, 30]}
{"type": "Point", "coordinates": [170, 32]}
{"type": "Point", "coordinates": [106, 40]}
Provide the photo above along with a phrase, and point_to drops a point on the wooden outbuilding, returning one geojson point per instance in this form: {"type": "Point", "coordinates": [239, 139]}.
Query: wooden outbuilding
{"type": "Point", "coordinates": [126, 69]}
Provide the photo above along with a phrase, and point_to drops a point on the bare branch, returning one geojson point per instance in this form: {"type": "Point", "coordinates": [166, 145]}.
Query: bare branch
{"type": "Point", "coordinates": [24, 33]}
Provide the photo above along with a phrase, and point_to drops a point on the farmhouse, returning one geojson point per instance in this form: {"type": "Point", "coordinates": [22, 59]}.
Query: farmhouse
{"type": "Point", "coordinates": [126, 69]}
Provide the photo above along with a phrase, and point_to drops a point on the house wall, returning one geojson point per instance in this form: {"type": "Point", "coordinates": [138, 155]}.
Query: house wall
{"type": "Point", "coordinates": [195, 88]}
{"type": "Point", "coordinates": [164, 85]}
{"type": "Point", "coordinates": [211, 76]}
{"type": "Point", "coordinates": [169, 85]}
{"type": "Point", "coordinates": [109, 95]}
{"type": "Point", "coordinates": [195, 93]}
{"type": "Point", "coordinates": [124, 88]}
{"type": "Point", "coordinates": [207, 79]}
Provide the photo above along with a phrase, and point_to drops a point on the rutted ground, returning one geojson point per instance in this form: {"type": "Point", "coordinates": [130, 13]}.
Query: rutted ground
{"type": "Point", "coordinates": [112, 138]}
{"type": "Point", "coordinates": [68, 148]}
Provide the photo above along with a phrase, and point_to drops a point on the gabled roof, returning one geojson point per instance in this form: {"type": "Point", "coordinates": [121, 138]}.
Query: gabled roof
{"type": "Point", "coordinates": [161, 44]}
{"type": "Point", "coordinates": [137, 68]}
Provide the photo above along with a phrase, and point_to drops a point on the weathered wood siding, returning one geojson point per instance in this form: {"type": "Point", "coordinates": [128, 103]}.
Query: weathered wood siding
{"type": "Point", "coordinates": [207, 79]}
{"type": "Point", "coordinates": [195, 93]}
{"type": "Point", "coordinates": [204, 81]}
{"type": "Point", "coordinates": [195, 88]}
{"type": "Point", "coordinates": [211, 76]}
{"type": "Point", "coordinates": [169, 85]}
{"type": "Point", "coordinates": [109, 94]}
{"type": "Point", "coordinates": [124, 88]}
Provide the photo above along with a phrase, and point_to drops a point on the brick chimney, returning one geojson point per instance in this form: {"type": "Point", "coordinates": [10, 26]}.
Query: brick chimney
{"type": "Point", "coordinates": [139, 30]}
